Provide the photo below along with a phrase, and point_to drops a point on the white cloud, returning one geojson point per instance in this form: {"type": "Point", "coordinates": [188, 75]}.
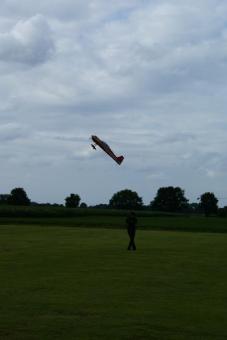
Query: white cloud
{"type": "Point", "coordinates": [28, 42]}
{"type": "Point", "coordinates": [148, 77]}
{"type": "Point", "coordinates": [12, 131]}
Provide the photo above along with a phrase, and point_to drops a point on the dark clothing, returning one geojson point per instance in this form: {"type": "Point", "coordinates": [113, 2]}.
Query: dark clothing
{"type": "Point", "coordinates": [131, 222]}
{"type": "Point", "coordinates": [131, 233]}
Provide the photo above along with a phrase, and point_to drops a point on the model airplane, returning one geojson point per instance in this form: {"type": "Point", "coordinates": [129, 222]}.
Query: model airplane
{"type": "Point", "coordinates": [105, 147]}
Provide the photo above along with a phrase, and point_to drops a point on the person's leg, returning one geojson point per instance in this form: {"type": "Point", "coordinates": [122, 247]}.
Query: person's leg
{"type": "Point", "coordinates": [129, 245]}
{"type": "Point", "coordinates": [133, 241]}
{"type": "Point", "coordinates": [130, 234]}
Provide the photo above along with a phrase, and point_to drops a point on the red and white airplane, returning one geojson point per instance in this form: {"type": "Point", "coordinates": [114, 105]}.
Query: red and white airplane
{"type": "Point", "coordinates": [105, 147]}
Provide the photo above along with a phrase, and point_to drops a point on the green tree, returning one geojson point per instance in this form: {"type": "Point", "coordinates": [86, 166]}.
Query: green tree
{"type": "Point", "coordinates": [222, 212]}
{"type": "Point", "coordinates": [126, 199]}
{"type": "Point", "coordinates": [83, 205]}
{"type": "Point", "coordinates": [72, 201]}
{"type": "Point", "coordinates": [169, 199]}
{"type": "Point", "coordinates": [18, 196]}
{"type": "Point", "coordinates": [209, 203]}
{"type": "Point", "coordinates": [4, 198]}
{"type": "Point", "coordinates": [194, 208]}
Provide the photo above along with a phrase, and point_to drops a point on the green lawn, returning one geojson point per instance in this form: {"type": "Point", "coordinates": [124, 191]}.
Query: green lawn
{"type": "Point", "coordinates": [181, 223]}
{"type": "Point", "coordinates": [82, 283]}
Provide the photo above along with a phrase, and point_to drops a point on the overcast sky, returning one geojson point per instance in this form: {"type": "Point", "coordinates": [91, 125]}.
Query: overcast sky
{"type": "Point", "coordinates": [147, 76]}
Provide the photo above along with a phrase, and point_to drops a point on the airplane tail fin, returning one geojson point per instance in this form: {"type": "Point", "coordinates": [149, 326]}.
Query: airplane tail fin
{"type": "Point", "coordinates": [120, 159]}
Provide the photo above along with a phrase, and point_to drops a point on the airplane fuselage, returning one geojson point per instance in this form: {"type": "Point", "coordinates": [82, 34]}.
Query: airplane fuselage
{"type": "Point", "coordinates": [105, 147]}
{"type": "Point", "coordinates": [96, 140]}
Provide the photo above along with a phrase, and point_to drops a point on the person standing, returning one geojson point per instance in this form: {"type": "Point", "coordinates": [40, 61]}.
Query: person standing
{"type": "Point", "coordinates": [131, 222]}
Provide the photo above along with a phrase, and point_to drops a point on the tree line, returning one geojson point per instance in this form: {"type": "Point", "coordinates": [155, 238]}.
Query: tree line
{"type": "Point", "coordinates": [167, 199]}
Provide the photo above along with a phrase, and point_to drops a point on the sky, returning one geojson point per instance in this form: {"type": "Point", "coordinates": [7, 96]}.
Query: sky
{"type": "Point", "coordinates": [149, 77]}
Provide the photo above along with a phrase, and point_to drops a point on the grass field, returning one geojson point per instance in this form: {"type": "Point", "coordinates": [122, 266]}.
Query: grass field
{"type": "Point", "coordinates": [81, 283]}
{"type": "Point", "coordinates": [177, 223]}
